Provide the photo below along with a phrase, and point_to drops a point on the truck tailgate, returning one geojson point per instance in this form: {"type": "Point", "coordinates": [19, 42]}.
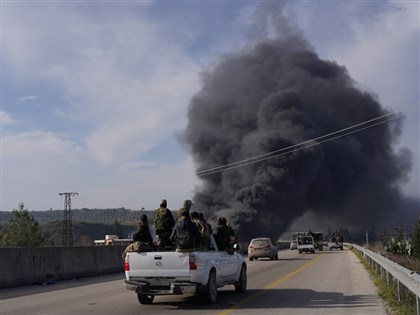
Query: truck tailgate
{"type": "Point", "coordinates": [157, 264]}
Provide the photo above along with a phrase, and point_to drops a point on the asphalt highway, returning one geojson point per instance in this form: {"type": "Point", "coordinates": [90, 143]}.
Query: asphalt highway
{"type": "Point", "coordinates": [328, 282]}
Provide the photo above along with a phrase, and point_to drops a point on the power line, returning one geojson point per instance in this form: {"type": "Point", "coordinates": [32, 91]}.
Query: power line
{"type": "Point", "coordinates": [299, 146]}
{"type": "Point", "coordinates": [84, 200]}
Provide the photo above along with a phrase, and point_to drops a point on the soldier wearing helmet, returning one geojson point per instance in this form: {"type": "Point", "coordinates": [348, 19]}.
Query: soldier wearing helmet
{"type": "Point", "coordinates": [142, 239]}
{"type": "Point", "coordinates": [164, 223]}
{"type": "Point", "coordinates": [224, 235]}
{"type": "Point", "coordinates": [186, 207]}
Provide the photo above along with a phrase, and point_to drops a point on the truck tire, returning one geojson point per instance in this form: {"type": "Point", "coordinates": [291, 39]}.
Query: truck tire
{"type": "Point", "coordinates": [240, 287]}
{"type": "Point", "coordinates": [211, 288]}
{"type": "Point", "coordinates": [145, 299]}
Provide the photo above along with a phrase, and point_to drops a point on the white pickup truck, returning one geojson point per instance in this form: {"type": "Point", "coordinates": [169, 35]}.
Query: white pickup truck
{"type": "Point", "coordinates": [306, 244]}
{"type": "Point", "coordinates": [174, 273]}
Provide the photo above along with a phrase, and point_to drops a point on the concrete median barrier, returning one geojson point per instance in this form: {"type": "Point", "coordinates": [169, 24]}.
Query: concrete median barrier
{"type": "Point", "coordinates": [25, 266]}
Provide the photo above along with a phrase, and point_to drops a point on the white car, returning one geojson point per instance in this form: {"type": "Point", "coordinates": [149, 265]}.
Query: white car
{"type": "Point", "coordinates": [294, 244]}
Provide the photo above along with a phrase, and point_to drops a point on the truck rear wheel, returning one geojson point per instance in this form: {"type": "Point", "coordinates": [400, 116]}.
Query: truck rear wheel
{"type": "Point", "coordinates": [241, 286]}
{"type": "Point", "coordinates": [211, 288]}
{"type": "Point", "coordinates": [145, 299]}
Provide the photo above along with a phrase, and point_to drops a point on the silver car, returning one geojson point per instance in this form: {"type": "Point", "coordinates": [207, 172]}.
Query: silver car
{"type": "Point", "coordinates": [294, 244]}
{"type": "Point", "coordinates": [262, 247]}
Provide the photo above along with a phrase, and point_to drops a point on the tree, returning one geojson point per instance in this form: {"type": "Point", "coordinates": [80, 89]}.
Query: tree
{"type": "Point", "coordinates": [416, 239]}
{"type": "Point", "coordinates": [21, 230]}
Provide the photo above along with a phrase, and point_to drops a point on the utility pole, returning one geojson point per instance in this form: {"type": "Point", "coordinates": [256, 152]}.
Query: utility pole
{"type": "Point", "coordinates": [67, 222]}
{"type": "Point", "coordinates": [367, 239]}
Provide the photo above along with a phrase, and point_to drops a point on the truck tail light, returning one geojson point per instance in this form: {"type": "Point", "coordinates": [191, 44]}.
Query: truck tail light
{"type": "Point", "coordinates": [193, 265]}
{"type": "Point", "coordinates": [126, 266]}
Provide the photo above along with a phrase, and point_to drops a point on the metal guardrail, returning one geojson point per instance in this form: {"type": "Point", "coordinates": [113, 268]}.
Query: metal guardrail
{"type": "Point", "coordinates": [391, 271]}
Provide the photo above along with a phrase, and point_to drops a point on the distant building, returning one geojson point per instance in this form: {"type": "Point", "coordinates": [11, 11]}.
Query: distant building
{"type": "Point", "coordinates": [113, 240]}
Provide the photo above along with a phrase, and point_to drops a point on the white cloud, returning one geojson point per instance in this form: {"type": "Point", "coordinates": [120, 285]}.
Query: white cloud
{"type": "Point", "coordinates": [38, 165]}
{"type": "Point", "coordinates": [384, 54]}
{"type": "Point", "coordinates": [134, 188]}
{"type": "Point", "coordinates": [125, 81]}
{"type": "Point", "coordinates": [6, 119]}
{"type": "Point", "coordinates": [384, 58]}
{"type": "Point", "coordinates": [28, 98]}
{"type": "Point", "coordinates": [125, 78]}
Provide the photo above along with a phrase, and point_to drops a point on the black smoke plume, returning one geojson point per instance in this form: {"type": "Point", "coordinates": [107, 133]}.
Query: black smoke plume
{"type": "Point", "coordinates": [274, 94]}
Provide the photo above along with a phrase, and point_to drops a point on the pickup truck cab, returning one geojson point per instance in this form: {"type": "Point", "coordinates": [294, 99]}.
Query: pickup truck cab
{"type": "Point", "coordinates": [176, 273]}
{"type": "Point", "coordinates": [306, 244]}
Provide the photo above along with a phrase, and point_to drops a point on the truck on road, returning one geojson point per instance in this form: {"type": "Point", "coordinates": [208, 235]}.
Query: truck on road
{"type": "Point", "coordinates": [336, 242]}
{"type": "Point", "coordinates": [176, 273]}
{"type": "Point", "coordinates": [318, 238]}
{"type": "Point", "coordinates": [306, 244]}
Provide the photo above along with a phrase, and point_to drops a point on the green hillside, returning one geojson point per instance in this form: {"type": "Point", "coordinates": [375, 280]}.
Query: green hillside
{"type": "Point", "coordinates": [84, 233]}
{"type": "Point", "coordinates": [88, 224]}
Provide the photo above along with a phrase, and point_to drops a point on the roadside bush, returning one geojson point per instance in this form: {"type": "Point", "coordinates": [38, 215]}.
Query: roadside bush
{"type": "Point", "coordinates": [400, 247]}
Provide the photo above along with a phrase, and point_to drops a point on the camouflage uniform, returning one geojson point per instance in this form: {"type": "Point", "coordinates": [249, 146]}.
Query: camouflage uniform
{"type": "Point", "coordinates": [204, 231]}
{"type": "Point", "coordinates": [186, 207]}
{"type": "Point", "coordinates": [201, 217]}
{"type": "Point", "coordinates": [182, 226]}
{"type": "Point", "coordinates": [163, 229]}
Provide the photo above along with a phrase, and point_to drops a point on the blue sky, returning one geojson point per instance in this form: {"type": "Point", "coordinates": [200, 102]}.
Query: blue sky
{"type": "Point", "coordinates": [94, 93]}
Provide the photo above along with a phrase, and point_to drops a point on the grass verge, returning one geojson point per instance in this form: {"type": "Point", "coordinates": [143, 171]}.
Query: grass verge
{"type": "Point", "coordinates": [389, 292]}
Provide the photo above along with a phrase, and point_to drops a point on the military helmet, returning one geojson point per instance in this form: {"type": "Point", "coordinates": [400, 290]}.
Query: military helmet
{"type": "Point", "coordinates": [188, 203]}
{"type": "Point", "coordinates": [143, 218]}
{"type": "Point", "coordinates": [163, 203]}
